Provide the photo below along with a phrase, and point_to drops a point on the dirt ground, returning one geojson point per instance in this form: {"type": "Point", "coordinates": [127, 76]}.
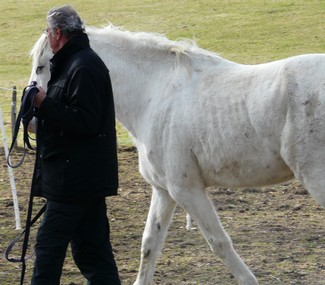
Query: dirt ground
{"type": "Point", "coordinates": [279, 231]}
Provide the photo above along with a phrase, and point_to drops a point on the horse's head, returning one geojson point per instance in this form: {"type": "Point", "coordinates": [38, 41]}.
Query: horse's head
{"type": "Point", "coordinates": [41, 54]}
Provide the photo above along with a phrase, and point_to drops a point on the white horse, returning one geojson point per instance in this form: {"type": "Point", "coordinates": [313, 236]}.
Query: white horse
{"type": "Point", "coordinates": [199, 120]}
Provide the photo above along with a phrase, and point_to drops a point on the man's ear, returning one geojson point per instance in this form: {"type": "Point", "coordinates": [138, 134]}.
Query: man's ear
{"type": "Point", "coordinates": [58, 33]}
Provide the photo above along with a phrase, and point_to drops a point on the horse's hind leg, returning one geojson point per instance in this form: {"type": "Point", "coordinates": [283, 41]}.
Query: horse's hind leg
{"type": "Point", "coordinates": [310, 171]}
{"type": "Point", "coordinates": [161, 211]}
{"type": "Point", "coordinates": [198, 205]}
{"type": "Point", "coordinates": [306, 158]}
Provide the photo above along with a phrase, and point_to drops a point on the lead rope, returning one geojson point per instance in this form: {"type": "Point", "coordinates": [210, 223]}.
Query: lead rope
{"type": "Point", "coordinates": [25, 232]}
{"type": "Point", "coordinates": [25, 115]}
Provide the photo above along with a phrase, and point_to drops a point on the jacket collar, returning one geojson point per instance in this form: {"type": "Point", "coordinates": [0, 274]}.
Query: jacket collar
{"type": "Point", "coordinates": [75, 44]}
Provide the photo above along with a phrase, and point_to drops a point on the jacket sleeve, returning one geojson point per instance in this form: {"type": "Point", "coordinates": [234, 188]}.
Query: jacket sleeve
{"type": "Point", "coordinates": [82, 112]}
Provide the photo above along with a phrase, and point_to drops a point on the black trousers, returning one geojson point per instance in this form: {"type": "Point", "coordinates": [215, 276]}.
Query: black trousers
{"type": "Point", "coordinates": [85, 226]}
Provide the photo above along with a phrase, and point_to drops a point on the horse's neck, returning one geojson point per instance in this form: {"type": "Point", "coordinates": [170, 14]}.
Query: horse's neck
{"type": "Point", "coordinates": [134, 81]}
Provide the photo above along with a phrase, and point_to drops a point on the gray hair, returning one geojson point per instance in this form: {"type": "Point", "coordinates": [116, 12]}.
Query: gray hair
{"type": "Point", "coordinates": [66, 19]}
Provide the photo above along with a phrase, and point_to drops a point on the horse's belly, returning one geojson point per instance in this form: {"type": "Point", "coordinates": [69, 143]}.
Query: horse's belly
{"type": "Point", "coordinates": [238, 173]}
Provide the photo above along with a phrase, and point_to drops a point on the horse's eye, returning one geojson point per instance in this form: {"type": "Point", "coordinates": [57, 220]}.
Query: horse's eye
{"type": "Point", "coordinates": [39, 69]}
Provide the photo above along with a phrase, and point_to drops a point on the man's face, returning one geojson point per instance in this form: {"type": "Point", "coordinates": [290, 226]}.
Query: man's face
{"type": "Point", "coordinates": [53, 39]}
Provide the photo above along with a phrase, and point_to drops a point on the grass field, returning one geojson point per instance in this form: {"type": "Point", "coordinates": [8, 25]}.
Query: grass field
{"type": "Point", "coordinates": [246, 31]}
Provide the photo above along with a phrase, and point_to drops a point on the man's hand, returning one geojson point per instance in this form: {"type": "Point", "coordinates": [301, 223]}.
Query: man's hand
{"type": "Point", "coordinates": [32, 125]}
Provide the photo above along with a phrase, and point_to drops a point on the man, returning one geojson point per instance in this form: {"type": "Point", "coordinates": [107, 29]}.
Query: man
{"type": "Point", "coordinates": [76, 163]}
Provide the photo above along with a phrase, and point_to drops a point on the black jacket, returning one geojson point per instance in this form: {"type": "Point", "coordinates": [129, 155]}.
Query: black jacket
{"type": "Point", "coordinates": [76, 155]}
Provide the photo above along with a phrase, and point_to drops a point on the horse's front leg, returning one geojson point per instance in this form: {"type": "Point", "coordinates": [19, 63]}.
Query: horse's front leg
{"type": "Point", "coordinates": [161, 211]}
{"type": "Point", "coordinates": [200, 208]}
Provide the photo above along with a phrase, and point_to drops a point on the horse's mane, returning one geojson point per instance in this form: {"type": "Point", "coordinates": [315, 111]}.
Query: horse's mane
{"type": "Point", "coordinates": [39, 47]}
{"type": "Point", "coordinates": [147, 41]}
